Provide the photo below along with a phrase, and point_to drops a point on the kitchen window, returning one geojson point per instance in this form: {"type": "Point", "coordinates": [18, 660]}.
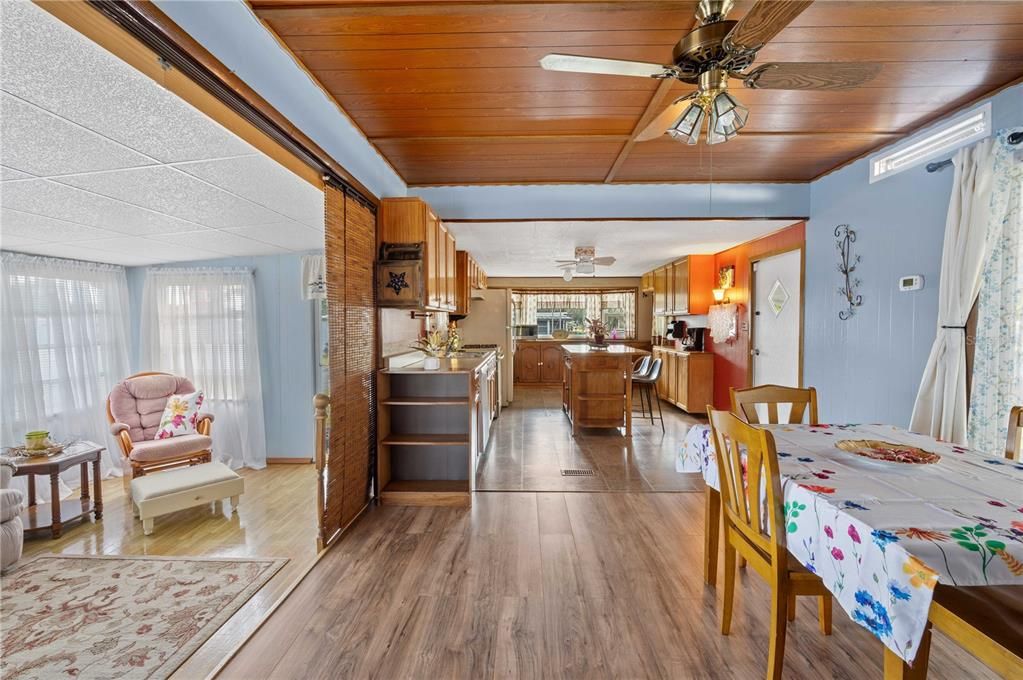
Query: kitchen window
{"type": "Point", "coordinates": [567, 310]}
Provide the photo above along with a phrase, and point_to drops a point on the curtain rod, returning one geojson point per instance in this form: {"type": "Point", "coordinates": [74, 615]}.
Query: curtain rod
{"type": "Point", "coordinates": [1014, 138]}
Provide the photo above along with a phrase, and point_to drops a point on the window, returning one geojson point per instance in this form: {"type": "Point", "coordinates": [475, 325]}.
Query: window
{"type": "Point", "coordinates": [567, 310]}
{"type": "Point", "coordinates": [957, 133]}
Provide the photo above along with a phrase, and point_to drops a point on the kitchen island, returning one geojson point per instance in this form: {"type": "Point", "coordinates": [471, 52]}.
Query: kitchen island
{"type": "Point", "coordinates": [597, 385]}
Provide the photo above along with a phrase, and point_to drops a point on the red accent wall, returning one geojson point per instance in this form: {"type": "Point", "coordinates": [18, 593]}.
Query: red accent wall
{"type": "Point", "coordinates": [731, 359]}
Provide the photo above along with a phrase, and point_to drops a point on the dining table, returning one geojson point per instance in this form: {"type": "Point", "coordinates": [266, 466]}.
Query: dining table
{"type": "Point", "coordinates": [879, 530]}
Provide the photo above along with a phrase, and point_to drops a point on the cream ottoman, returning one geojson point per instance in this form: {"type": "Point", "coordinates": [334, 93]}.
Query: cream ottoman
{"type": "Point", "coordinates": [163, 492]}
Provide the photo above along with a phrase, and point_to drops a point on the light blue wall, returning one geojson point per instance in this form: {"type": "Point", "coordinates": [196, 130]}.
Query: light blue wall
{"type": "Point", "coordinates": [867, 369]}
{"type": "Point", "coordinates": [286, 352]}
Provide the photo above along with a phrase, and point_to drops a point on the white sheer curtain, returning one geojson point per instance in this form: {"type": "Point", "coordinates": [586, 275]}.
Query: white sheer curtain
{"type": "Point", "coordinates": [201, 323]}
{"type": "Point", "coordinates": [64, 344]}
{"type": "Point", "coordinates": [940, 408]}
{"type": "Point", "coordinates": [997, 383]}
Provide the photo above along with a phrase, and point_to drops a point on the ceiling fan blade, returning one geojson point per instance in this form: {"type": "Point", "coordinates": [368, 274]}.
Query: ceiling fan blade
{"type": "Point", "coordinates": [566, 261]}
{"type": "Point", "coordinates": [613, 67]}
{"type": "Point", "coordinates": [764, 21]}
{"type": "Point", "coordinates": [811, 76]}
{"type": "Point", "coordinates": [605, 261]}
{"type": "Point", "coordinates": [663, 121]}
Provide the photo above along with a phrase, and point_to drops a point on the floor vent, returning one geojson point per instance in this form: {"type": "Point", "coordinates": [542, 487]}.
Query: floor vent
{"type": "Point", "coordinates": [577, 473]}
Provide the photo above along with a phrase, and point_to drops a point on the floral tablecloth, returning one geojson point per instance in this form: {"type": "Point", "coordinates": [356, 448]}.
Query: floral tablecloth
{"type": "Point", "coordinates": [881, 535]}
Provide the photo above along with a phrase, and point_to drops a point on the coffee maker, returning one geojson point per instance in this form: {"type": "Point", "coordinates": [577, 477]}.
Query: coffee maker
{"type": "Point", "coordinates": [691, 338]}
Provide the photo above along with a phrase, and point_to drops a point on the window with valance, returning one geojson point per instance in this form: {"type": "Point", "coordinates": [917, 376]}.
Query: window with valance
{"type": "Point", "coordinates": [567, 310]}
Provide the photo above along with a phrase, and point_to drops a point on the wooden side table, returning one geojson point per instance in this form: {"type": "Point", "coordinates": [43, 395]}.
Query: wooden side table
{"type": "Point", "coordinates": [61, 512]}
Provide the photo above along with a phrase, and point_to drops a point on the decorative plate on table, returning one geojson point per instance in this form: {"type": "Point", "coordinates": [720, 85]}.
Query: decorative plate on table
{"type": "Point", "coordinates": [887, 451]}
{"type": "Point", "coordinates": [22, 452]}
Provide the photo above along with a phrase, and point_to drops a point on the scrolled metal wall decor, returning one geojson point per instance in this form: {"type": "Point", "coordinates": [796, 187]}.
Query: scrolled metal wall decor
{"type": "Point", "coordinates": [846, 237]}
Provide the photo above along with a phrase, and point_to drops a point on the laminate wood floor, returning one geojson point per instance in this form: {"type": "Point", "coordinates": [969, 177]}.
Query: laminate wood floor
{"type": "Point", "coordinates": [552, 585]}
{"type": "Point", "coordinates": [276, 518]}
{"type": "Point", "coordinates": [532, 442]}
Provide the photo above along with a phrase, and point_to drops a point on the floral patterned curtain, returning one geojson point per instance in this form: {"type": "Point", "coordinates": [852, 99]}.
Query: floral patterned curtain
{"type": "Point", "coordinates": [998, 358]}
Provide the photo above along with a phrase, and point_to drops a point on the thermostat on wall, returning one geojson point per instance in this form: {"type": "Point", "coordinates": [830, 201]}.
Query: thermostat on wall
{"type": "Point", "coordinates": [912, 282]}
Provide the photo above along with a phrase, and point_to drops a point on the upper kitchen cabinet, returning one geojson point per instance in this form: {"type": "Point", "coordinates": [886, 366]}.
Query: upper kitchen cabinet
{"type": "Point", "coordinates": [410, 220]}
{"type": "Point", "coordinates": [683, 286]}
{"type": "Point", "coordinates": [469, 276]}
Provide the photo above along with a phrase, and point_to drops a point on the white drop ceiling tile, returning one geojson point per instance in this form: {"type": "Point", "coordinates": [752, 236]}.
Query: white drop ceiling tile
{"type": "Point", "coordinates": [263, 180]}
{"type": "Point", "coordinates": [43, 144]}
{"type": "Point", "coordinates": [8, 241]}
{"type": "Point", "coordinates": [59, 201]}
{"type": "Point", "coordinates": [79, 252]}
{"type": "Point", "coordinates": [225, 243]}
{"type": "Point", "coordinates": [172, 192]}
{"type": "Point", "coordinates": [46, 62]}
{"type": "Point", "coordinates": [17, 224]}
{"type": "Point", "coordinates": [7, 174]}
{"type": "Point", "coordinates": [290, 235]}
{"type": "Point", "coordinates": [161, 251]}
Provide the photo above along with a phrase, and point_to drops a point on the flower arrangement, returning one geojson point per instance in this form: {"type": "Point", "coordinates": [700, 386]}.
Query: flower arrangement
{"type": "Point", "coordinates": [433, 344]}
{"type": "Point", "coordinates": [597, 328]}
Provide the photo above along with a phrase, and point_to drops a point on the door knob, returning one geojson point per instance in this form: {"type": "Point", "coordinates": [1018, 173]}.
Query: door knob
{"type": "Point", "coordinates": [756, 352]}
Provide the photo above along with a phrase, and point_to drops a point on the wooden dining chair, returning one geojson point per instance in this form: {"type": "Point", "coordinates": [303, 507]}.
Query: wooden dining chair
{"type": "Point", "coordinates": [758, 538]}
{"type": "Point", "coordinates": [745, 401]}
{"type": "Point", "coordinates": [1014, 438]}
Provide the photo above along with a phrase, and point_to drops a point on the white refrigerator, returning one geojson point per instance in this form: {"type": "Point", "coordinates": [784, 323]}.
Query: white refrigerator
{"type": "Point", "coordinates": [489, 323]}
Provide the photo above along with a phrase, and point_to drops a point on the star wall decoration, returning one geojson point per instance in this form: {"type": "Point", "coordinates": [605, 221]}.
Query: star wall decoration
{"type": "Point", "coordinates": [397, 282]}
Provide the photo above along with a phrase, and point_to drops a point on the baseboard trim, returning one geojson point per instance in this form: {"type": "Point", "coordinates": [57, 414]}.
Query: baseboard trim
{"type": "Point", "coordinates": [289, 461]}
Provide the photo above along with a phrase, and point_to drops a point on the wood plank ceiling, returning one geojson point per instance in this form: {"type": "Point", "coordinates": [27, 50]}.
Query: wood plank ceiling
{"type": "Point", "coordinates": [450, 91]}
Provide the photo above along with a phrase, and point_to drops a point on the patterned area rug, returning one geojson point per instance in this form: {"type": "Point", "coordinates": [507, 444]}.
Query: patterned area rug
{"type": "Point", "coordinates": [118, 617]}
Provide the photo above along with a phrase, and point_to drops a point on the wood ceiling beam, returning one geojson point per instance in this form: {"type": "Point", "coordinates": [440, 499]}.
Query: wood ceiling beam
{"type": "Point", "coordinates": [497, 139]}
{"type": "Point", "coordinates": [653, 108]}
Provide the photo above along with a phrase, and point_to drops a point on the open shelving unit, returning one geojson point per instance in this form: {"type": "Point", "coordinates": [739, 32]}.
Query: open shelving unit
{"type": "Point", "coordinates": [426, 429]}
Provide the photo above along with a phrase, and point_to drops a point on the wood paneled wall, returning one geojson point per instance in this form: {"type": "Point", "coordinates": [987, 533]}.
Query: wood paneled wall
{"type": "Point", "coordinates": [350, 252]}
{"type": "Point", "coordinates": [731, 359]}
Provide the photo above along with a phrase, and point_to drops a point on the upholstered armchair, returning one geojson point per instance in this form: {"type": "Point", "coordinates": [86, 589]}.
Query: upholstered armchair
{"type": "Point", "coordinates": [11, 530]}
{"type": "Point", "coordinates": [134, 409]}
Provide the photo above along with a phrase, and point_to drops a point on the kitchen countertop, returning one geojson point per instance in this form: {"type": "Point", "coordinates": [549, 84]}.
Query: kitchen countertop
{"type": "Point", "coordinates": [581, 348]}
{"type": "Point", "coordinates": [675, 350]}
{"type": "Point", "coordinates": [576, 340]}
{"type": "Point", "coordinates": [448, 365]}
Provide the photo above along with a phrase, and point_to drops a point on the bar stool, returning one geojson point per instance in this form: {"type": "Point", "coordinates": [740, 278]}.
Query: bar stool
{"type": "Point", "coordinates": [640, 368]}
{"type": "Point", "coordinates": [648, 384]}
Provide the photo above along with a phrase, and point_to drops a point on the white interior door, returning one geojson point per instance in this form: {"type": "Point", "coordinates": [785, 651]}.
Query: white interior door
{"type": "Point", "coordinates": [777, 311]}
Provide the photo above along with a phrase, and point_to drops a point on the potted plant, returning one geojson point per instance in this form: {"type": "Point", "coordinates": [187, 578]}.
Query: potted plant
{"type": "Point", "coordinates": [433, 346]}
{"type": "Point", "coordinates": [597, 329]}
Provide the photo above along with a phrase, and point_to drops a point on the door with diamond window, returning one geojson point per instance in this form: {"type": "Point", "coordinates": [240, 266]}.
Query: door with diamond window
{"type": "Point", "coordinates": [777, 319]}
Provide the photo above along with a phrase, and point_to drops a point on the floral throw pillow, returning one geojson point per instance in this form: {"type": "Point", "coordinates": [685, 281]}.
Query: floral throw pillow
{"type": "Point", "coordinates": [180, 415]}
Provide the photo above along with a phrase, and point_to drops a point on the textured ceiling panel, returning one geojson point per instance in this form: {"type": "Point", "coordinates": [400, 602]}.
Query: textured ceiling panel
{"type": "Point", "coordinates": [45, 197]}
{"type": "Point", "coordinates": [223, 242]}
{"type": "Point", "coordinates": [151, 248]}
{"type": "Point", "coordinates": [78, 251]}
{"type": "Point", "coordinates": [8, 174]}
{"type": "Point", "coordinates": [266, 182]}
{"type": "Point", "coordinates": [530, 248]}
{"type": "Point", "coordinates": [172, 192]}
{"type": "Point", "coordinates": [290, 235]}
{"type": "Point", "coordinates": [41, 143]}
{"type": "Point", "coordinates": [27, 225]}
{"type": "Point", "coordinates": [48, 63]}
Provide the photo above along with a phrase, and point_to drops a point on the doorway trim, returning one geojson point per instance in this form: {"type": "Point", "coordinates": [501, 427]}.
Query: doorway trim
{"type": "Point", "coordinates": [801, 247]}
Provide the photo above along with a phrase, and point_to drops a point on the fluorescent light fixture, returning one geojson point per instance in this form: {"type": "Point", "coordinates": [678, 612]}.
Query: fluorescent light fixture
{"type": "Point", "coordinates": [956, 134]}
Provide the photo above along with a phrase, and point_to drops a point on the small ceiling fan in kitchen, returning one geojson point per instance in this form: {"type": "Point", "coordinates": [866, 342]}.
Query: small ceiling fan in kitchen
{"type": "Point", "coordinates": [584, 262]}
{"type": "Point", "coordinates": [714, 52]}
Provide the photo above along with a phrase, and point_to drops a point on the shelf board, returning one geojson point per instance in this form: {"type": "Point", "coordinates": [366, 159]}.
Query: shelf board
{"type": "Point", "coordinates": [426, 439]}
{"type": "Point", "coordinates": [426, 401]}
{"type": "Point", "coordinates": [423, 492]}
{"type": "Point", "coordinates": [601, 397]}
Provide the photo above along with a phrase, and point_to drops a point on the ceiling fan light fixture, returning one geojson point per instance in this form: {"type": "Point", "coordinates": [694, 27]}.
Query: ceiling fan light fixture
{"type": "Point", "coordinates": [567, 275]}
{"type": "Point", "coordinates": [727, 117]}
{"type": "Point", "coordinates": [687, 127]}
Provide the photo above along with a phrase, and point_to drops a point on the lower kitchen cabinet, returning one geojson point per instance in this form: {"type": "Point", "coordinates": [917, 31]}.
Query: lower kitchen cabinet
{"type": "Point", "coordinates": [687, 378]}
{"type": "Point", "coordinates": [538, 363]}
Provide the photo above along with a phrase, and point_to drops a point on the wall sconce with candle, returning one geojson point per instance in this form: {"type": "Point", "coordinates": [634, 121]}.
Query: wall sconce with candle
{"type": "Point", "coordinates": [726, 279]}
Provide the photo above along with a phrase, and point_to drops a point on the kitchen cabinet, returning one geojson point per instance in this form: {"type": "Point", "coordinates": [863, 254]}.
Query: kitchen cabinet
{"type": "Point", "coordinates": [660, 290]}
{"type": "Point", "coordinates": [538, 362]}
{"type": "Point", "coordinates": [551, 360]}
{"type": "Point", "coordinates": [683, 286]}
{"type": "Point", "coordinates": [527, 362]}
{"type": "Point", "coordinates": [646, 282]}
{"type": "Point", "coordinates": [468, 276]}
{"type": "Point", "coordinates": [687, 378]}
{"type": "Point", "coordinates": [410, 220]}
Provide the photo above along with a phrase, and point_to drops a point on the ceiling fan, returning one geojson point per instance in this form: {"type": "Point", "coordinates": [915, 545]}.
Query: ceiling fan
{"type": "Point", "coordinates": [584, 262]}
{"type": "Point", "coordinates": [712, 53]}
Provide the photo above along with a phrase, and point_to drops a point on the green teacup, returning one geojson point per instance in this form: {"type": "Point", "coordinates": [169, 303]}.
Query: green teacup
{"type": "Point", "coordinates": [37, 440]}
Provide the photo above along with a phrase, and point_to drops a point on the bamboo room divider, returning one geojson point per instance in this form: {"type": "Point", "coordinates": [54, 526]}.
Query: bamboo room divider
{"type": "Point", "coordinates": [350, 250]}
